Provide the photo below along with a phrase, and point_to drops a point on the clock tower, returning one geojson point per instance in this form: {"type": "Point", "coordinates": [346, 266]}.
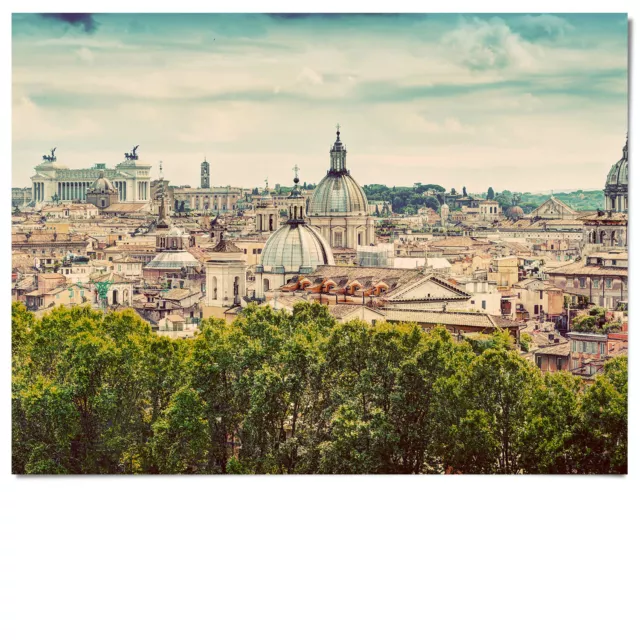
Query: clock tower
{"type": "Point", "coordinates": [204, 175]}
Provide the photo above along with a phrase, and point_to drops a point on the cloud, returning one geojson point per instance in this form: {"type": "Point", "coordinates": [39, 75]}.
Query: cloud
{"type": "Point", "coordinates": [84, 20]}
{"type": "Point", "coordinates": [483, 45]}
{"type": "Point", "coordinates": [86, 55]}
{"type": "Point", "coordinates": [542, 27]}
{"type": "Point", "coordinates": [310, 75]}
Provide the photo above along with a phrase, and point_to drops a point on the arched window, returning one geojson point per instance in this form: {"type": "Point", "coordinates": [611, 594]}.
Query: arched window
{"type": "Point", "coordinates": [265, 284]}
{"type": "Point", "coordinates": [115, 296]}
{"type": "Point", "coordinates": [270, 223]}
{"type": "Point", "coordinates": [613, 238]}
{"type": "Point", "coordinates": [603, 235]}
{"type": "Point", "coordinates": [214, 288]}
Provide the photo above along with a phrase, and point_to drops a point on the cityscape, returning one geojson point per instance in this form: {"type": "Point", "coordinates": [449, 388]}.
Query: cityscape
{"type": "Point", "coordinates": [319, 322]}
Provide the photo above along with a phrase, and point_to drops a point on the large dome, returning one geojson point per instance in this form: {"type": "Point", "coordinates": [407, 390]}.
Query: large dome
{"type": "Point", "coordinates": [338, 193]}
{"type": "Point", "coordinates": [295, 246]}
{"type": "Point", "coordinates": [619, 173]}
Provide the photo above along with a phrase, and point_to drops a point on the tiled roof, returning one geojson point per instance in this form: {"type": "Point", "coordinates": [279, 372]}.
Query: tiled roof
{"type": "Point", "coordinates": [560, 349]}
{"type": "Point", "coordinates": [427, 316]}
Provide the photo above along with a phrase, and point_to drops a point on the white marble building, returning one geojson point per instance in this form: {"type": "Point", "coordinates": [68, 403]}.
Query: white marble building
{"type": "Point", "coordinates": [55, 181]}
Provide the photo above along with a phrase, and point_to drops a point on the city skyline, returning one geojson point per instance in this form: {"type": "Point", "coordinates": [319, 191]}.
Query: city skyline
{"type": "Point", "coordinates": [519, 102]}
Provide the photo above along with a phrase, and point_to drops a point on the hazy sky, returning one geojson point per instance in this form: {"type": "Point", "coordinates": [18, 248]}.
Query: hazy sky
{"type": "Point", "coordinates": [520, 102]}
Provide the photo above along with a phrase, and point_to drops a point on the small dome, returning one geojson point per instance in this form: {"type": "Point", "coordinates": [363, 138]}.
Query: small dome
{"type": "Point", "coordinates": [619, 173]}
{"type": "Point", "coordinates": [295, 246]}
{"type": "Point", "coordinates": [102, 185]}
{"type": "Point", "coordinates": [339, 194]}
{"type": "Point", "coordinates": [515, 211]}
{"type": "Point", "coordinates": [173, 260]}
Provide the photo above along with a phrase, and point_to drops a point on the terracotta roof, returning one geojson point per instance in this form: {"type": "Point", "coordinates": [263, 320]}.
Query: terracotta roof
{"type": "Point", "coordinates": [579, 268]}
{"type": "Point", "coordinates": [427, 316]}
{"type": "Point", "coordinates": [179, 294]}
{"type": "Point", "coordinates": [343, 310]}
{"type": "Point", "coordinates": [560, 349]}
{"type": "Point", "coordinates": [116, 278]}
{"type": "Point", "coordinates": [125, 207]}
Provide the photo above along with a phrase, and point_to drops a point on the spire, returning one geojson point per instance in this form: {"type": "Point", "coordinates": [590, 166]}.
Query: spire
{"type": "Point", "coordinates": [338, 155]}
{"type": "Point", "coordinates": [163, 218]}
{"type": "Point", "coordinates": [625, 149]}
{"type": "Point", "coordinates": [296, 201]}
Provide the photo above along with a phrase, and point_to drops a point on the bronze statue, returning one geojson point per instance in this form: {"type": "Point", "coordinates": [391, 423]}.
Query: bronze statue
{"type": "Point", "coordinates": [51, 157]}
{"type": "Point", "coordinates": [133, 155]}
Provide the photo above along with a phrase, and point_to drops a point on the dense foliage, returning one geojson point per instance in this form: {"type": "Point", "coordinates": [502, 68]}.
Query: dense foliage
{"type": "Point", "coordinates": [95, 393]}
{"type": "Point", "coordinates": [595, 321]}
{"type": "Point", "coordinates": [405, 199]}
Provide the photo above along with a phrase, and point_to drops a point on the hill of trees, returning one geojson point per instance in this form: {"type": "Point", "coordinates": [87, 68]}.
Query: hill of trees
{"type": "Point", "coordinates": [404, 199]}
{"type": "Point", "coordinates": [95, 393]}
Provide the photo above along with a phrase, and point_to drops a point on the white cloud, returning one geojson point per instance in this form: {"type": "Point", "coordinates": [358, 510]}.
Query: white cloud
{"type": "Point", "coordinates": [86, 55]}
{"type": "Point", "coordinates": [490, 44]}
{"type": "Point", "coordinates": [310, 75]}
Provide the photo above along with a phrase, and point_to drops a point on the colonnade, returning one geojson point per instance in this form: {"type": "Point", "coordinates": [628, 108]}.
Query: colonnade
{"type": "Point", "coordinates": [76, 190]}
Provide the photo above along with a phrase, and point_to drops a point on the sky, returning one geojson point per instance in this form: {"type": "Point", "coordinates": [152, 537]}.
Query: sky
{"type": "Point", "coordinates": [517, 101]}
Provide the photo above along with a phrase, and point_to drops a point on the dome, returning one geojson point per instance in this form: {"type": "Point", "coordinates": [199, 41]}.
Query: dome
{"type": "Point", "coordinates": [295, 246]}
{"type": "Point", "coordinates": [619, 173]}
{"type": "Point", "coordinates": [515, 211]}
{"type": "Point", "coordinates": [338, 193]}
{"type": "Point", "coordinates": [173, 260]}
{"type": "Point", "coordinates": [102, 185]}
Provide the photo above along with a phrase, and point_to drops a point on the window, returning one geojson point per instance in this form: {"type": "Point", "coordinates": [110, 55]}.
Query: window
{"type": "Point", "coordinates": [608, 283]}
{"type": "Point", "coordinates": [583, 283]}
{"type": "Point", "coordinates": [484, 304]}
{"type": "Point", "coordinates": [573, 345]}
{"type": "Point", "coordinates": [595, 283]}
{"type": "Point", "coordinates": [601, 348]}
{"type": "Point", "coordinates": [540, 294]}
{"type": "Point", "coordinates": [559, 364]}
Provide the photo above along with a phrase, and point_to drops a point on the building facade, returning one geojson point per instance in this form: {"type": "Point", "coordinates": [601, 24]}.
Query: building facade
{"type": "Point", "coordinates": [54, 181]}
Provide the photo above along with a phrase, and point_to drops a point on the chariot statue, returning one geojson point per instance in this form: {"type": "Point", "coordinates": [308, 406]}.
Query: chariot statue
{"type": "Point", "coordinates": [133, 155]}
{"type": "Point", "coordinates": [51, 157]}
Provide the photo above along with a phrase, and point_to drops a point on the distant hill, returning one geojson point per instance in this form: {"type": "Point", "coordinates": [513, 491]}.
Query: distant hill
{"type": "Point", "coordinates": [578, 200]}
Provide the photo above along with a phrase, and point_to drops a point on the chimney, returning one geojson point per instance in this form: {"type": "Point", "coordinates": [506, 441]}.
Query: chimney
{"type": "Point", "coordinates": [556, 341]}
{"type": "Point", "coordinates": [551, 337]}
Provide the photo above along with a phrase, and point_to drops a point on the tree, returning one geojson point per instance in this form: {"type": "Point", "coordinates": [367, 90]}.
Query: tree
{"type": "Point", "coordinates": [501, 384]}
{"type": "Point", "coordinates": [490, 194]}
{"type": "Point", "coordinates": [296, 392]}
{"type": "Point", "coordinates": [601, 446]}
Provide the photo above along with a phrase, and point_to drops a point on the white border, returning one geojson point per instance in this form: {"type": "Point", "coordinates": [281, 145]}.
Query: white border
{"type": "Point", "coordinates": [363, 557]}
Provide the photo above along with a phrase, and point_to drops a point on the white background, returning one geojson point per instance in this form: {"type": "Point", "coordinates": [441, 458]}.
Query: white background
{"type": "Point", "coordinates": [315, 557]}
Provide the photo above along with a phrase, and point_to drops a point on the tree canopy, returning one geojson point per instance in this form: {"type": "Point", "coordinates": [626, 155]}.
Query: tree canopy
{"type": "Point", "coordinates": [282, 393]}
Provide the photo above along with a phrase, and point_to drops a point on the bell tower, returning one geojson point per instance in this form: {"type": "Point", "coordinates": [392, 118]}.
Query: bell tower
{"type": "Point", "coordinates": [205, 182]}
